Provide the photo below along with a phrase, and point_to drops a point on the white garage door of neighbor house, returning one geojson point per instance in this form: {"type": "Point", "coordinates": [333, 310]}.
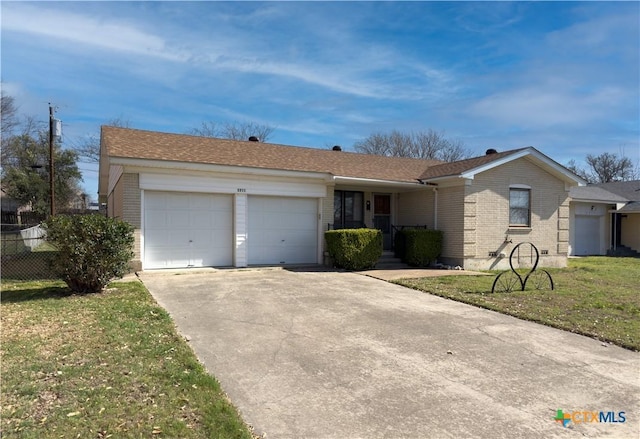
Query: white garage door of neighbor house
{"type": "Point", "coordinates": [282, 230]}
{"type": "Point", "coordinates": [587, 235]}
{"type": "Point", "coordinates": [187, 230]}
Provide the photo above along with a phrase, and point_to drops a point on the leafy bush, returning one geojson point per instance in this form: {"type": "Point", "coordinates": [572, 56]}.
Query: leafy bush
{"type": "Point", "coordinates": [418, 247]}
{"type": "Point", "coordinates": [92, 250]}
{"type": "Point", "coordinates": [354, 249]}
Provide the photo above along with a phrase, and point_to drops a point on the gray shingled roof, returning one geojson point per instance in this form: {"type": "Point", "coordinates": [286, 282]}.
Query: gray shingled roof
{"type": "Point", "coordinates": [595, 193]}
{"type": "Point", "coordinates": [626, 189]}
{"type": "Point", "coordinates": [631, 207]}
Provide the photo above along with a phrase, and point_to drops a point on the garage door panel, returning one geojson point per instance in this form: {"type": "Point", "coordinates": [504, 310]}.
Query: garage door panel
{"type": "Point", "coordinates": [587, 235]}
{"type": "Point", "coordinates": [187, 230]}
{"type": "Point", "coordinates": [177, 258]}
{"type": "Point", "coordinates": [300, 238]}
{"type": "Point", "coordinates": [282, 230]}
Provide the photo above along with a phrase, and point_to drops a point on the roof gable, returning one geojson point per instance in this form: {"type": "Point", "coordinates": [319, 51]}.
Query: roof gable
{"type": "Point", "coordinates": [470, 167]}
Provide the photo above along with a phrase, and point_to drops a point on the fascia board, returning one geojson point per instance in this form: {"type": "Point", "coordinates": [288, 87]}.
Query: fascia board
{"type": "Point", "coordinates": [471, 173]}
{"type": "Point", "coordinates": [206, 167]}
{"type": "Point", "coordinates": [592, 201]}
{"type": "Point", "coordinates": [375, 182]}
{"type": "Point", "coordinates": [551, 166]}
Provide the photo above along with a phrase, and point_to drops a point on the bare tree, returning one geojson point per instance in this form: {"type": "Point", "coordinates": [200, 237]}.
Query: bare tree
{"type": "Point", "coordinates": [605, 168]}
{"type": "Point", "coordinates": [8, 117]}
{"type": "Point", "coordinates": [429, 144]}
{"type": "Point", "coordinates": [608, 167]}
{"type": "Point", "coordinates": [234, 130]}
{"type": "Point", "coordinates": [89, 147]}
{"type": "Point", "coordinates": [573, 166]}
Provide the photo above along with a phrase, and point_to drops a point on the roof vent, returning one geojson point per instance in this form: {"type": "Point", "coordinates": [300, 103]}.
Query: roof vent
{"type": "Point", "coordinates": [337, 148]}
{"type": "Point", "coordinates": [491, 151]}
{"type": "Point", "coordinates": [253, 139]}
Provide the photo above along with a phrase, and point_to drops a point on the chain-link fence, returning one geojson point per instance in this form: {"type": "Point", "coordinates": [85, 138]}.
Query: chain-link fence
{"type": "Point", "coordinates": [25, 253]}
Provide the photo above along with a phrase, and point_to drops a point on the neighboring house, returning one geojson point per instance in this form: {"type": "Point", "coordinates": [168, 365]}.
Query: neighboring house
{"type": "Point", "coordinates": [605, 219]}
{"type": "Point", "coordinates": [197, 201]}
{"type": "Point", "coordinates": [9, 208]}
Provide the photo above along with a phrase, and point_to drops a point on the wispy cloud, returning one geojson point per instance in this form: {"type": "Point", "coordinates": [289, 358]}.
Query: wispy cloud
{"type": "Point", "coordinates": [540, 108]}
{"type": "Point", "coordinates": [364, 73]}
{"type": "Point", "coordinates": [85, 30]}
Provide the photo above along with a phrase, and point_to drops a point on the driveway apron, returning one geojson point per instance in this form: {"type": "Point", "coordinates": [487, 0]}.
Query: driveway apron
{"type": "Point", "coordinates": [341, 355]}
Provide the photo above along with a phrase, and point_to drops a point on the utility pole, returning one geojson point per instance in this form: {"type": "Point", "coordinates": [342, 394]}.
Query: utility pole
{"type": "Point", "coordinates": [51, 169]}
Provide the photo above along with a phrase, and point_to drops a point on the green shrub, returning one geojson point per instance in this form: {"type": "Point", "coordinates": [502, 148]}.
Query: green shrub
{"type": "Point", "coordinates": [92, 250]}
{"type": "Point", "coordinates": [418, 247]}
{"type": "Point", "coordinates": [354, 249]}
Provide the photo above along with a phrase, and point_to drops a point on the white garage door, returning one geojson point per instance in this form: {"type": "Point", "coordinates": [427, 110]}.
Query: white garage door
{"type": "Point", "coordinates": [187, 230]}
{"type": "Point", "coordinates": [282, 230]}
{"type": "Point", "coordinates": [587, 235]}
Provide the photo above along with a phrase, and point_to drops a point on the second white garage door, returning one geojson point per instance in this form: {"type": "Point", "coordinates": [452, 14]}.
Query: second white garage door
{"type": "Point", "coordinates": [282, 230]}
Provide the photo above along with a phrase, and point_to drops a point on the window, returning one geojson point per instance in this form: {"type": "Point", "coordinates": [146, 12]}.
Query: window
{"type": "Point", "coordinates": [520, 207]}
{"type": "Point", "coordinates": [348, 209]}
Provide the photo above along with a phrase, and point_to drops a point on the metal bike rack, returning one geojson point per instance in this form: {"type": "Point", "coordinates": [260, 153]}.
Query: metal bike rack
{"type": "Point", "coordinates": [507, 281]}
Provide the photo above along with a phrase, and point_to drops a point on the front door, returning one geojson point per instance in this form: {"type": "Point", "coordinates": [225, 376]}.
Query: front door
{"type": "Point", "coordinates": [382, 218]}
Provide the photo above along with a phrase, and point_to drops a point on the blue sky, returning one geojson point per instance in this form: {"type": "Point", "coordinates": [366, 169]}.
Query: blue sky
{"type": "Point", "coordinates": [560, 76]}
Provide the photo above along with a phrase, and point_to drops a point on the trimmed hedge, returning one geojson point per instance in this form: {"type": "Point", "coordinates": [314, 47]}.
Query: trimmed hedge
{"type": "Point", "coordinates": [418, 247]}
{"type": "Point", "coordinates": [354, 249]}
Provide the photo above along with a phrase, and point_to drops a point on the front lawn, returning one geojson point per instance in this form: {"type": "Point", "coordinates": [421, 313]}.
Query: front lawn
{"type": "Point", "coordinates": [595, 296]}
{"type": "Point", "coordinates": [102, 365]}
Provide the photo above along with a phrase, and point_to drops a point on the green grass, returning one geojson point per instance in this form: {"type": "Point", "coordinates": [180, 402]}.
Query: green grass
{"type": "Point", "coordinates": [596, 296]}
{"type": "Point", "coordinates": [102, 365]}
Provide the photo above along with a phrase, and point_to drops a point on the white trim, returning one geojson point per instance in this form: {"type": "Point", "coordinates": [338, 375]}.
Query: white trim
{"type": "Point", "coordinates": [320, 233]}
{"type": "Point", "coordinates": [240, 226]}
{"type": "Point", "coordinates": [173, 165]}
{"type": "Point", "coordinates": [519, 186]}
{"type": "Point", "coordinates": [471, 173]}
{"type": "Point", "coordinates": [232, 184]}
{"type": "Point", "coordinates": [370, 181]}
{"type": "Point", "coordinates": [142, 229]}
{"type": "Point", "coordinates": [550, 165]}
{"type": "Point", "coordinates": [435, 208]}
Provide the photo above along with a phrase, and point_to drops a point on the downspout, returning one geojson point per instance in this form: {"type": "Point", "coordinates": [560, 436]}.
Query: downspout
{"type": "Point", "coordinates": [615, 231]}
{"type": "Point", "coordinates": [435, 208]}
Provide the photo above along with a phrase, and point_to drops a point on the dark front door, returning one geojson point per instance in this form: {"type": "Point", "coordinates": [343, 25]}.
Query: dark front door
{"type": "Point", "coordinates": [382, 218]}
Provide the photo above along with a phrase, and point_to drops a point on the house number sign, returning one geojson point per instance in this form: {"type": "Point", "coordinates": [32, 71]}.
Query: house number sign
{"type": "Point", "coordinates": [242, 190]}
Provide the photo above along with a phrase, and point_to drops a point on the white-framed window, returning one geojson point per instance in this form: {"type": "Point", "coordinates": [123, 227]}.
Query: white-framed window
{"type": "Point", "coordinates": [520, 206]}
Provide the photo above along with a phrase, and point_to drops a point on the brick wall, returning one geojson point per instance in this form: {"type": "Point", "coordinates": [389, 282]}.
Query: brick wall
{"type": "Point", "coordinates": [415, 208]}
{"type": "Point", "coordinates": [488, 195]}
{"type": "Point", "coordinates": [131, 211]}
{"type": "Point", "coordinates": [451, 222]}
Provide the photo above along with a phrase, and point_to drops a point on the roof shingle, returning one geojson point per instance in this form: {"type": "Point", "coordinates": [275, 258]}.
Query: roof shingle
{"type": "Point", "coordinates": [139, 144]}
{"type": "Point", "coordinates": [457, 168]}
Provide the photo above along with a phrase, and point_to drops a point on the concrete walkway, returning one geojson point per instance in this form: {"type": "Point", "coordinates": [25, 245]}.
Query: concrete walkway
{"type": "Point", "coordinates": [340, 355]}
{"type": "Point", "coordinates": [408, 273]}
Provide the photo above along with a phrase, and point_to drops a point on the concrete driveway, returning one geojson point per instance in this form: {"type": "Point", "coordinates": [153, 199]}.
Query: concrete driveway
{"type": "Point", "coordinates": [341, 355]}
